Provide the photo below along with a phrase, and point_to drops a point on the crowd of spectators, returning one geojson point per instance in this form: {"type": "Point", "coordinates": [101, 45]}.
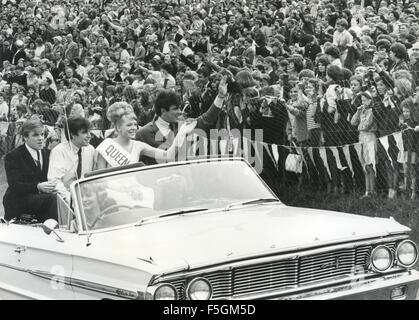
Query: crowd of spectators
{"type": "Point", "coordinates": [310, 73]}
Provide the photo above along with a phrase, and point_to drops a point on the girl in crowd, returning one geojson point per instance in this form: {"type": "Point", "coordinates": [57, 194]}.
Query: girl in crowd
{"type": "Point", "coordinates": [367, 127]}
{"type": "Point", "coordinates": [123, 149]}
{"type": "Point", "coordinates": [297, 112]}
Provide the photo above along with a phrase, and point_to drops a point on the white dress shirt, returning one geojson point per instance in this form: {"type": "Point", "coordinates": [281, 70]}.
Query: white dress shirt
{"type": "Point", "coordinates": [63, 163]}
{"type": "Point", "coordinates": [34, 154]}
{"type": "Point", "coordinates": [163, 126]}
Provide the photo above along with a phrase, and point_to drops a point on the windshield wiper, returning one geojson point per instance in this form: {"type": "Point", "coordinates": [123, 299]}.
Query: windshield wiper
{"type": "Point", "coordinates": [249, 202]}
{"type": "Point", "coordinates": [174, 213]}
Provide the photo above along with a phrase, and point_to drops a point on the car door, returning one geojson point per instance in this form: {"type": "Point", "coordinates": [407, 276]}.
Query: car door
{"type": "Point", "coordinates": [35, 265]}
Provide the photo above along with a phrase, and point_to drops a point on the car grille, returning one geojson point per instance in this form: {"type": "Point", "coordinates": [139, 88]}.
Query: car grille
{"type": "Point", "coordinates": [283, 274]}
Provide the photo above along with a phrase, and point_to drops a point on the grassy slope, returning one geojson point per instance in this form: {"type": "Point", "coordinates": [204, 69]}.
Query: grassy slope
{"type": "Point", "coordinates": [405, 212]}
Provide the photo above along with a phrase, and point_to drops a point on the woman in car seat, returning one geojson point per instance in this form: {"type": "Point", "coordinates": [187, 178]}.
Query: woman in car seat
{"type": "Point", "coordinates": [124, 149]}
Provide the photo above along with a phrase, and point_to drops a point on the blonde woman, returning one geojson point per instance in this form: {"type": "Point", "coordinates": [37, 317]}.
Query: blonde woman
{"type": "Point", "coordinates": [123, 149]}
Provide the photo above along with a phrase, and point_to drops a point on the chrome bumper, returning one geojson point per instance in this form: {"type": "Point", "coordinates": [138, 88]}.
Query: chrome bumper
{"type": "Point", "coordinates": [357, 288]}
{"type": "Point", "coordinates": [400, 286]}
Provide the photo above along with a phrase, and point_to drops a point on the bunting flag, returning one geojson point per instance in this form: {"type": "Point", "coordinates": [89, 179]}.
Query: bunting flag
{"type": "Point", "coordinates": [275, 153]}
{"type": "Point", "coordinates": [266, 146]}
{"type": "Point", "coordinates": [335, 153]}
{"type": "Point", "coordinates": [386, 145]}
{"type": "Point", "coordinates": [310, 153]}
{"type": "Point", "coordinates": [97, 133]}
{"type": "Point", "coordinates": [399, 142]}
{"type": "Point", "coordinates": [323, 156]}
{"type": "Point", "coordinates": [358, 149]}
{"type": "Point", "coordinates": [108, 133]}
{"type": "Point", "coordinates": [347, 154]}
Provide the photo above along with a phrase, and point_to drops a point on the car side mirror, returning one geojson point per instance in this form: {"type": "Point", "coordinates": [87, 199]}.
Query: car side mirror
{"type": "Point", "coordinates": [49, 227]}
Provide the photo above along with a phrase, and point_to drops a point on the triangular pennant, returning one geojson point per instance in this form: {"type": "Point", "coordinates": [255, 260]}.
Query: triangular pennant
{"type": "Point", "coordinates": [323, 156]}
{"type": "Point", "coordinates": [108, 133]}
{"type": "Point", "coordinates": [97, 133]}
{"type": "Point", "coordinates": [270, 154]}
{"type": "Point", "coordinates": [335, 153]}
{"type": "Point", "coordinates": [275, 152]}
{"type": "Point", "coordinates": [386, 145]}
{"type": "Point", "coordinates": [310, 153]}
{"type": "Point", "coordinates": [347, 154]}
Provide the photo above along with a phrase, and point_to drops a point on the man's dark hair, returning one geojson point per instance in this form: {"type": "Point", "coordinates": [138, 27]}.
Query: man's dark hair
{"type": "Point", "coordinates": [167, 67]}
{"type": "Point", "coordinates": [333, 51]}
{"type": "Point", "coordinates": [165, 99]}
{"type": "Point", "coordinates": [335, 73]}
{"type": "Point", "coordinates": [74, 126]}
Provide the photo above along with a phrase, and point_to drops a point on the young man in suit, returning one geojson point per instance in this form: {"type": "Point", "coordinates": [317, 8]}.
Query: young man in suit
{"type": "Point", "coordinates": [160, 132]}
{"type": "Point", "coordinates": [26, 167]}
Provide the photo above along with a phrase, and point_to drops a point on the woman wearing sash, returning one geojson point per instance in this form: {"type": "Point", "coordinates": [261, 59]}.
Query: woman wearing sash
{"type": "Point", "coordinates": [123, 149]}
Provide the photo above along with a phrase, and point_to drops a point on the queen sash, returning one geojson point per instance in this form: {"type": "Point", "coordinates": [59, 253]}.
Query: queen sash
{"type": "Point", "coordinates": [114, 154]}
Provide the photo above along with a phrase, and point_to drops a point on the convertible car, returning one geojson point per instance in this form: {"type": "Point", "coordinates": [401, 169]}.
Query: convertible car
{"type": "Point", "coordinates": [198, 230]}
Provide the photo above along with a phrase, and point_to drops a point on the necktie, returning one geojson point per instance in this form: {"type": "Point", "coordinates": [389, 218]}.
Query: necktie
{"type": "Point", "coordinates": [79, 164]}
{"type": "Point", "coordinates": [38, 161]}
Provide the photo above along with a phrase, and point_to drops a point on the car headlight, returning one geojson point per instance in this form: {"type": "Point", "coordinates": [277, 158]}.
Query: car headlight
{"type": "Point", "coordinates": [407, 253]}
{"type": "Point", "coordinates": [381, 258]}
{"type": "Point", "coordinates": [199, 289]}
{"type": "Point", "coordinates": [165, 291]}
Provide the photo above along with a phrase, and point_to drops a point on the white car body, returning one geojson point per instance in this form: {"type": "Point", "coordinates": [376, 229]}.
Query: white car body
{"type": "Point", "coordinates": [126, 261]}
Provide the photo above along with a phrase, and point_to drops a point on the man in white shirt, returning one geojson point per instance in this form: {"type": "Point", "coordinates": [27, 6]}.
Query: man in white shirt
{"type": "Point", "coordinates": [71, 159]}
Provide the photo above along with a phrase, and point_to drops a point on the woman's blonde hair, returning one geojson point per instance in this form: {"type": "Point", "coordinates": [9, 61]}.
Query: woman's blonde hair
{"type": "Point", "coordinates": [118, 110]}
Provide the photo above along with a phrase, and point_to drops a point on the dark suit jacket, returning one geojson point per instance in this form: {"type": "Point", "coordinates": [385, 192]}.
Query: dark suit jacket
{"type": "Point", "coordinates": [57, 69]}
{"type": "Point", "coordinates": [149, 133]}
{"type": "Point", "coordinates": [22, 176]}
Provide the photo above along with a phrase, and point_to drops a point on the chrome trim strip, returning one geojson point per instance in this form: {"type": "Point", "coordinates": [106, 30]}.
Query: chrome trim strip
{"type": "Point", "coordinates": [272, 257]}
{"type": "Point", "coordinates": [93, 286]}
{"type": "Point", "coordinates": [359, 287]}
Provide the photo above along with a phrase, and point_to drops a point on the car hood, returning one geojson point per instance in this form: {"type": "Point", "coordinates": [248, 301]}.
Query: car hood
{"type": "Point", "coordinates": [200, 239]}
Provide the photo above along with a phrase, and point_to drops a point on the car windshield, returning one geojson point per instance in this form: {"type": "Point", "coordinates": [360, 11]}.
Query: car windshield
{"type": "Point", "coordinates": [131, 197]}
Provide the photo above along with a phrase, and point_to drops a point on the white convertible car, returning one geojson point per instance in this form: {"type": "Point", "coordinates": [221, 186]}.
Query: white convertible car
{"type": "Point", "coordinates": [201, 229]}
